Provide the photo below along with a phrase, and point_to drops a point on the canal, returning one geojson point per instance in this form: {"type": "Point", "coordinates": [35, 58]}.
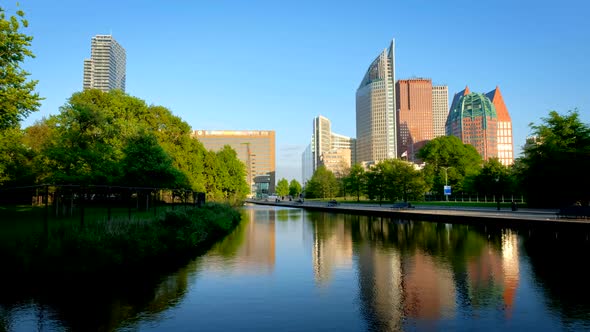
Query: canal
{"type": "Point", "coordinates": [288, 269]}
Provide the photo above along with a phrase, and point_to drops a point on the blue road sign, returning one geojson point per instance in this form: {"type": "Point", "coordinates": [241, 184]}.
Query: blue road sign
{"type": "Point", "coordinates": [447, 190]}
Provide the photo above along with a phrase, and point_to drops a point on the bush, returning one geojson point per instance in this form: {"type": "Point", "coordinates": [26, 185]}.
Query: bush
{"type": "Point", "coordinates": [120, 246]}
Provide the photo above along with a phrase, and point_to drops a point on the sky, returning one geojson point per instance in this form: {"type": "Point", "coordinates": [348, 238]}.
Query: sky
{"type": "Point", "coordinates": [275, 65]}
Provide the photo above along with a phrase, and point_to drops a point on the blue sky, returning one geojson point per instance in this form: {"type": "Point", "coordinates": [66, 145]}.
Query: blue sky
{"type": "Point", "coordinates": [275, 65]}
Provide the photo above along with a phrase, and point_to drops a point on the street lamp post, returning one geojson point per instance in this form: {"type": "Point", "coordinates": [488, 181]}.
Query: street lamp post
{"type": "Point", "coordinates": [497, 193]}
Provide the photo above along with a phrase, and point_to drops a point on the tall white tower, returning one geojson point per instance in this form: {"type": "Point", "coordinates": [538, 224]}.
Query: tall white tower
{"type": "Point", "coordinates": [376, 127]}
{"type": "Point", "coordinates": [105, 70]}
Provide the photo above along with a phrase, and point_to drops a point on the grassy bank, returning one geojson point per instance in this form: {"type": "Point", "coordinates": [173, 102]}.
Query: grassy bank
{"type": "Point", "coordinates": [117, 247]}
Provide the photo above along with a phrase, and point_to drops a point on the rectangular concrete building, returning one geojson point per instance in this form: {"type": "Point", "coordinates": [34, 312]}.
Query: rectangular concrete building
{"type": "Point", "coordinates": [255, 148]}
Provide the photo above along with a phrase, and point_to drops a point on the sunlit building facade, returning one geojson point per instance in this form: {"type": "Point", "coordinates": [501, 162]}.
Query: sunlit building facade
{"type": "Point", "coordinates": [322, 129]}
{"type": "Point", "coordinates": [335, 152]}
{"type": "Point", "coordinates": [474, 120]}
{"type": "Point", "coordinates": [414, 116]}
{"type": "Point", "coordinates": [440, 109]}
{"type": "Point", "coordinates": [105, 70]}
{"type": "Point", "coordinates": [376, 129]}
{"type": "Point", "coordinates": [255, 148]}
{"type": "Point", "coordinates": [504, 134]}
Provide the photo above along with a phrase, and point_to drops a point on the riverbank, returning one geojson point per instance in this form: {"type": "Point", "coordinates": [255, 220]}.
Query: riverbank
{"type": "Point", "coordinates": [464, 215]}
{"type": "Point", "coordinates": [116, 248]}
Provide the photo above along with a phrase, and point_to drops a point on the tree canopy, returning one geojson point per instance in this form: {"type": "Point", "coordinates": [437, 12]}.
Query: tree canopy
{"type": "Point", "coordinates": [17, 96]}
{"type": "Point", "coordinates": [448, 160]}
{"type": "Point", "coordinates": [323, 184]}
{"type": "Point", "coordinates": [108, 138]}
{"type": "Point", "coordinates": [282, 188]}
{"type": "Point", "coordinates": [294, 188]}
{"type": "Point", "coordinates": [553, 171]}
{"type": "Point", "coordinates": [356, 181]}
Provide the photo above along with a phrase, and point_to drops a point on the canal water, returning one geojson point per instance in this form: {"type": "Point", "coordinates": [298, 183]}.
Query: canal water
{"type": "Point", "coordinates": [288, 269]}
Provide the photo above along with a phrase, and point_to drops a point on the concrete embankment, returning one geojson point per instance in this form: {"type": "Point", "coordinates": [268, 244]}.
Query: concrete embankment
{"type": "Point", "coordinates": [476, 215]}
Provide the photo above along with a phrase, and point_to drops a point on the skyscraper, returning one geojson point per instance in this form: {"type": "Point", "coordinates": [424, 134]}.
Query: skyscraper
{"type": "Point", "coordinates": [321, 139]}
{"type": "Point", "coordinates": [440, 108]}
{"type": "Point", "coordinates": [105, 70]}
{"type": "Point", "coordinates": [306, 165]}
{"type": "Point", "coordinates": [375, 110]}
{"type": "Point", "coordinates": [414, 116]}
{"type": "Point", "coordinates": [335, 152]}
{"type": "Point", "coordinates": [474, 120]}
{"type": "Point", "coordinates": [504, 135]}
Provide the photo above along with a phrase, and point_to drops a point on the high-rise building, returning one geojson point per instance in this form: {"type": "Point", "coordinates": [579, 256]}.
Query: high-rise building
{"type": "Point", "coordinates": [320, 138]}
{"type": "Point", "coordinates": [414, 116]}
{"type": "Point", "coordinates": [440, 108]}
{"type": "Point", "coordinates": [504, 135]}
{"type": "Point", "coordinates": [105, 70]}
{"type": "Point", "coordinates": [474, 120]}
{"type": "Point", "coordinates": [255, 148]}
{"type": "Point", "coordinates": [375, 110]}
{"type": "Point", "coordinates": [306, 165]}
{"type": "Point", "coordinates": [335, 152]}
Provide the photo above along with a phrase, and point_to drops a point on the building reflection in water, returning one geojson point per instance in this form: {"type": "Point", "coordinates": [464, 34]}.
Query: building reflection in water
{"type": "Point", "coordinates": [380, 275]}
{"type": "Point", "coordinates": [493, 275]}
{"type": "Point", "coordinates": [428, 286]}
{"type": "Point", "coordinates": [511, 269]}
{"type": "Point", "coordinates": [415, 271]}
{"type": "Point", "coordinates": [250, 248]}
{"type": "Point", "coordinates": [331, 248]}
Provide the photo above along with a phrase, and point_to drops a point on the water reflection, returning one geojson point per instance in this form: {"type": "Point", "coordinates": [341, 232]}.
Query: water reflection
{"type": "Point", "coordinates": [292, 269]}
{"type": "Point", "coordinates": [251, 248]}
{"type": "Point", "coordinates": [418, 271]}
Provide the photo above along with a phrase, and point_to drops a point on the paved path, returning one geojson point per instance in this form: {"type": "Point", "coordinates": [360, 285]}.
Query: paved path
{"type": "Point", "coordinates": [504, 214]}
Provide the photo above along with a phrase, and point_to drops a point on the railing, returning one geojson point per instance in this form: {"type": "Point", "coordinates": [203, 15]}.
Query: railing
{"type": "Point", "coordinates": [66, 201]}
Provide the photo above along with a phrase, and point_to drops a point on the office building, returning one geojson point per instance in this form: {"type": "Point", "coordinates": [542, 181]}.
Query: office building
{"type": "Point", "coordinates": [320, 139]}
{"type": "Point", "coordinates": [255, 148]}
{"type": "Point", "coordinates": [440, 109]}
{"type": "Point", "coordinates": [105, 70]}
{"type": "Point", "coordinates": [474, 120]}
{"type": "Point", "coordinates": [375, 110]}
{"type": "Point", "coordinates": [335, 152]}
{"type": "Point", "coordinates": [306, 165]}
{"type": "Point", "coordinates": [414, 116]}
{"type": "Point", "coordinates": [504, 135]}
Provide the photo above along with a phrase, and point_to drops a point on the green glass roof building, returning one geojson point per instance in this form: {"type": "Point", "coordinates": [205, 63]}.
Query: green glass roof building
{"type": "Point", "coordinates": [473, 118]}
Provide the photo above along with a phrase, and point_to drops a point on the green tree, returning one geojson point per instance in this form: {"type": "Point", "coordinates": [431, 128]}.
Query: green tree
{"type": "Point", "coordinates": [450, 161]}
{"type": "Point", "coordinates": [493, 179]}
{"type": "Point", "coordinates": [146, 164]}
{"type": "Point", "coordinates": [375, 188]}
{"type": "Point", "coordinates": [17, 96]}
{"type": "Point", "coordinates": [88, 136]}
{"type": "Point", "coordinates": [402, 180]}
{"type": "Point", "coordinates": [212, 186]}
{"type": "Point", "coordinates": [282, 188]}
{"type": "Point", "coordinates": [553, 171]}
{"type": "Point", "coordinates": [323, 184]}
{"type": "Point", "coordinates": [16, 160]}
{"type": "Point", "coordinates": [356, 180]}
{"type": "Point", "coordinates": [294, 188]}
{"type": "Point", "coordinates": [231, 175]}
